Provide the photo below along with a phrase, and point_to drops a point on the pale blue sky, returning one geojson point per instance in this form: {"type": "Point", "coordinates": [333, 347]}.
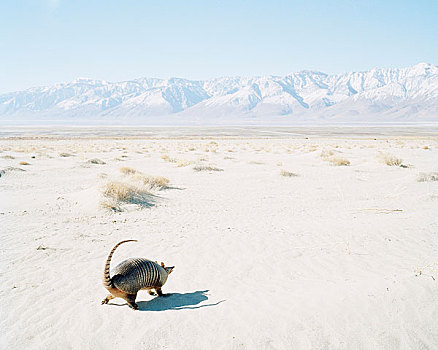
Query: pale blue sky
{"type": "Point", "coordinates": [47, 41]}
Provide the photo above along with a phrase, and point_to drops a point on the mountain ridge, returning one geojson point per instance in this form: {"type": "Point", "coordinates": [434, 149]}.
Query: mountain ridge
{"type": "Point", "coordinates": [386, 94]}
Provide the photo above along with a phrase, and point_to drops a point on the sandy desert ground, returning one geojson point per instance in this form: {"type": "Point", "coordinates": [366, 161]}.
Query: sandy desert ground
{"type": "Point", "coordinates": [279, 241]}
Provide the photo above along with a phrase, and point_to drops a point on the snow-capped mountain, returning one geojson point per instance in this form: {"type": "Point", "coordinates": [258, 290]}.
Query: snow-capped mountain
{"type": "Point", "coordinates": [406, 94]}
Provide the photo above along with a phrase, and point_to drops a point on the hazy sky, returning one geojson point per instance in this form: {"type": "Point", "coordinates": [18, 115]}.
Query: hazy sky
{"type": "Point", "coordinates": [47, 41]}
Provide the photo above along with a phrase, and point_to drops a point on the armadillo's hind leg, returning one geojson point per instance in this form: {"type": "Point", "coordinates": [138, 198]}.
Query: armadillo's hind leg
{"type": "Point", "coordinates": [130, 298]}
{"type": "Point", "coordinates": [159, 291]}
{"type": "Point", "coordinates": [151, 292]}
{"type": "Point", "coordinates": [107, 299]}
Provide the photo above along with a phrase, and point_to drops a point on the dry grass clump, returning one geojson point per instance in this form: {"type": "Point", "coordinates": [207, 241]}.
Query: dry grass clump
{"type": "Point", "coordinates": [183, 162]}
{"type": "Point", "coordinates": [24, 163]}
{"type": "Point", "coordinates": [206, 168]}
{"type": "Point", "coordinates": [127, 170]}
{"type": "Point", "coordinates": [339, 161]}
{"type": "Point", "coordinates": [117, 193]}
{"type": "Point", "coordinates": [111, 204]}
{"type": "Point", "coordinates": [166, 158]}
{"type": "Point", "coordinates": [151, 181]}
{"type": "Point", "coordinates": [326, 154]}
{"type": "Point", "coordinates": [120, 191]}
{"type": "Point", "coordinates": [7, 156]}
{"type": "Point", "coordinates": [426, 177]}
{"type": "Point", "coordinates": [133, 187]}
{"type": "Point", "coordinates": [96, 161]}
{"type": "Point", "coordinates": [8, 169]}
{"type": "Point", "coordinates": [255, 162]}
{"type": "Point", "coordinates": [329, 156]}
{"type": "Point", "coordinates": [65, 154]}
{"type": "Point", "coordinates": [286, 173]}
{"type": "Point", "coordinates": [392, 160]}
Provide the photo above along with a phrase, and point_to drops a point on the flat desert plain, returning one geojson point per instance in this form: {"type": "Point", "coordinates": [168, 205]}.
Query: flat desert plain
{"type": "Point", "coordinates": [281, 239]}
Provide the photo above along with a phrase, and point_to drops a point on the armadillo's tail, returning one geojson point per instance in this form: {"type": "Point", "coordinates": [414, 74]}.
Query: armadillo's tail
{"type": "Point", "coordinates": [106, 272]}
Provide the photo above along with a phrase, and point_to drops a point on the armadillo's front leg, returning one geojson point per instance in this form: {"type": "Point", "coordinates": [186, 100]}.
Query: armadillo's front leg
{"type": "Point", "coordinates": [107, 299]}
{"type": "Point", "coordinates": [130, 298]}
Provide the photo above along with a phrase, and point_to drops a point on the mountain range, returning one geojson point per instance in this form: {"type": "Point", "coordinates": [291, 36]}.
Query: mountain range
{"type": "Point", "coordinates": [378, 95]}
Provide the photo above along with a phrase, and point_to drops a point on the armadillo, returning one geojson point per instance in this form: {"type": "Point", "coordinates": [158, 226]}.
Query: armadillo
{"type": "Point", "coordinates": [132, 275]}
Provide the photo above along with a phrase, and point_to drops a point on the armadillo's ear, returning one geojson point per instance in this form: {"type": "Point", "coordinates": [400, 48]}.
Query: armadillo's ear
{"type": "Point", "coordinates": [162, 264]}
{"type": "Point", "coordinates": [169, 269]}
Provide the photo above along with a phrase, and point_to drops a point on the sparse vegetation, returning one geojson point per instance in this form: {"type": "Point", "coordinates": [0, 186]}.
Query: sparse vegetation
{"type": "Point", "coordinates": [151, 181]}
{"type": "Point", "coordinates": [339, 161]}
{"type": "Point", "coordinates": [326, 154]}
{"type": "Point", "coordinates": [65, 154]}
{"type": "Point", "coordinates": [7, 156]}
{"type": "Point", "coordinates": [426, 177]}
{"type": "Point", "coordinates": [127, 170]}
{"type": "Point", "coordinates": [392, 160]}
{"type": "Point", "coordinates": [183, 163]}
{"type": "Point", "coordinates": [118, 193]}
{"type": "Point", "coordinates": [96, 161]}
{"type": "Point", "coordinates": [24, 163]}
{"type": "Point", "coordinates": [329, 156]}
{"type": "Point", "coordinates": [166, 158]}
{"type": "Point", "coordinates": [206, 168]}
{"type": "Point", "coordinates": [286, 173]}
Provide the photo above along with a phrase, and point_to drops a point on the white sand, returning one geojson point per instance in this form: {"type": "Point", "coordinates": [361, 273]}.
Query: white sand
{"type": "Point", "coordinates": [340, 257]}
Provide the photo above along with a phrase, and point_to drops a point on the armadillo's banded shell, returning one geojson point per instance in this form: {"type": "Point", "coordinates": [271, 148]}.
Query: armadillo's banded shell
{"type": "Point", "coordinates": [134, 274]}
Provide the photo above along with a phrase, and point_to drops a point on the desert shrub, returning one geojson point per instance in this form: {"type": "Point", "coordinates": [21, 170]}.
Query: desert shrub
{"type": "Point", "coordinates": [117, 193]}
{"type": "Point", "coordinates": [325, 154]}
{"type": "Point", "coordinates": [65, 154]}
{"type": "Point", "coordinates": [426, 177]}
{"type": "Point", "coordinates": [166, 158]}
{"type": "Point", "coordinates": [339, 161]}
{"type": "Point", "coordinates": [184, 162]}
{"type": "Point", "coordinates": [24, 163]}
{"type": "Point", "coordinates": [127, 170]}
{"type": "Point", "coordinates": [286, 173]}
{"type": "Point", "coordinates": [96, 161]}
{"type": "Point", "coordinates": [206, 168]}
{"type": "Point", "coordinates": [329, 156]}
{"type": "Point", "coordinates": [7, 156]}
{"type": "Point", "coordinates": [111, 204]}
{"type": "Point", "coordinates": [392, 160]}
{"type": "Point", "coordinates": [151, 181]}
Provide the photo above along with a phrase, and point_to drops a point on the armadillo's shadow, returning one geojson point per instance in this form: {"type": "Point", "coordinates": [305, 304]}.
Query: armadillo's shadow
{"type": "Point", "coordinates": [176, 301]}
